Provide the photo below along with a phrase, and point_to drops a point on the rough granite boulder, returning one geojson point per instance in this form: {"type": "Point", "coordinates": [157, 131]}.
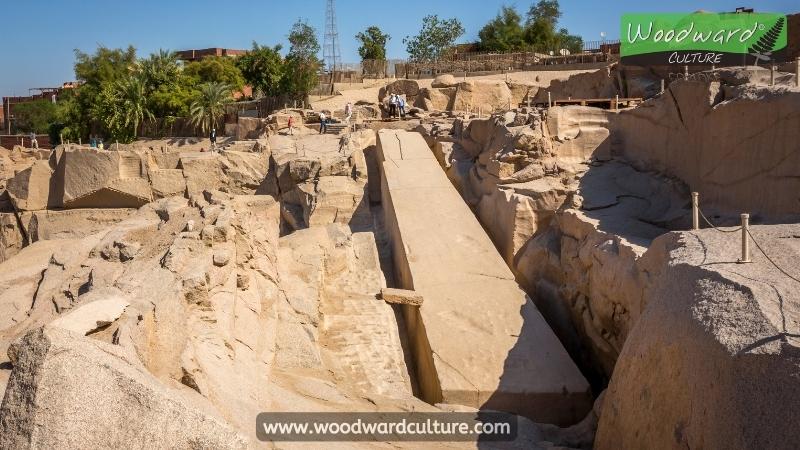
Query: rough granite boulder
{"type": "Point", "coordinates": [408, 88]}
{"type": "Point", "coordinates": [713, 360]}
{"type": "Point", "coordinates": [444, 81]}
{"type": "Point", "coordinates": [69, 391]}
{"type": "Point", "coordinates": [30, 189]}
{"type": "Point", "coordinates": [486, 96]}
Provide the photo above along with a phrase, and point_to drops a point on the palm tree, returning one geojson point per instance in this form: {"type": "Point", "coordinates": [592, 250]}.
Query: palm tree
{"type": "Point", "coordinates": [132, 91]}
{"type": "Point", "coordinates": [160, 68]}
{"type": "Point", "coordinates": [210, 105]}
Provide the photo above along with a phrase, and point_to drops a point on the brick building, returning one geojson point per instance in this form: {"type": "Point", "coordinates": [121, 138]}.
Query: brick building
{"type": "Point", "coordinates": [194, 55]}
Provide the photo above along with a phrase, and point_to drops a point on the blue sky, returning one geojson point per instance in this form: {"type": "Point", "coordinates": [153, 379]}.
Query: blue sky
{"type": "Point", "coordinates": [40, 35]}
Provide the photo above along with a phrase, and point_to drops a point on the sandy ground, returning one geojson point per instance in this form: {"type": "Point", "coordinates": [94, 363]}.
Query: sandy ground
{"type": "Point", "coordinates": [370, 92]}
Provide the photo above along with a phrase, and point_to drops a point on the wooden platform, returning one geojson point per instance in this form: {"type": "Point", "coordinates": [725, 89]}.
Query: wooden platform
{"type": "Point", "coordinates": [608, 103]}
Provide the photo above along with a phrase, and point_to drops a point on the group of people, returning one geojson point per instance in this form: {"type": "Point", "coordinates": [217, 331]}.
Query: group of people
{"type": "Point", "coordinates": [323, 119]}
{"type": "Point", "coordinates": [96, 142]}
{"type": "Point", "coordinates": [397, 106]}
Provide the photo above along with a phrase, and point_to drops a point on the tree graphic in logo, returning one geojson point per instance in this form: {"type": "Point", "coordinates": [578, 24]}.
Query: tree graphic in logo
{"type": "Point", "coordinates": [763, 48]}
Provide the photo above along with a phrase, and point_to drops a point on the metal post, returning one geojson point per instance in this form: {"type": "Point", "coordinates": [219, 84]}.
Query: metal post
{"type": "Point", "coordinates": [616, 102]}
{"type": "Point", "coordinates": [685, 72]}
{"type": "Point", "coordinates": [695, 211]}
{"type": "Point", "coordinates": [745, 240]}
{"type": "Point", "coordinates": [662, 86]}
{"type": "Point", "coordinates": [772, 75]}
{"type": "Point", "coordinates": [549, 101]}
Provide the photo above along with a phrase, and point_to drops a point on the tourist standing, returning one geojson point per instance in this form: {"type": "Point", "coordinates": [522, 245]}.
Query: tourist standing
{"type": "Point", "coordinates": [392, 105]}
{"type": "Point", "coordinates": [291, 125]}
{"type": "Point", "coordinates": [34, 142]}
{"type": "Point", "coordinates": [323, 123]}
{"type": "Point", "coordinates": [401, 104]}
{"type": "Point", "coordinates": [348, 112]}
{"type": "Point", "coordinates": [213, 138]}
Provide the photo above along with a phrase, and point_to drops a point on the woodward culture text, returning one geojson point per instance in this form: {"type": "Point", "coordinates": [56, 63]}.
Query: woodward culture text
{"type": "Point", "coordinates": [401, 426]}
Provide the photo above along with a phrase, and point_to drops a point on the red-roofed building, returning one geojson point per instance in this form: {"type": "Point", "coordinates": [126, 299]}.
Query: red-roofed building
{"type": "Point", "coordinates": [195, 55]}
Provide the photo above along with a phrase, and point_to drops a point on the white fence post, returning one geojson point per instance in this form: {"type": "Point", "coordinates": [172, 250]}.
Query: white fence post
{"type": "Point", "coordinates": [745, 239]}
{"type": "Point", "coordinates": [797, 72]}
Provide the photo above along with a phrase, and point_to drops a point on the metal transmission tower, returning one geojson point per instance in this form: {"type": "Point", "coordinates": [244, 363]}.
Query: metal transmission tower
{"type": "Point", "coordinates": [330, 51]}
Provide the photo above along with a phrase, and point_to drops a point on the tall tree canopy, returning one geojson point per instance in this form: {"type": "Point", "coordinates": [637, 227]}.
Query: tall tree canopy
{"type": "Point", "coordinates": [434, 39]}
{"type": "Point", "coordinates": [120, 91]}
{"type": "Point", "coordinates": [373, 43]}
{"type": "Point", "coordinates": [548, 11]}
{"type": "Point", "coordinates": [503, 33]}
{"type": "Point", "coordinates": [215, 69]}
{"type": "Point", "coordinates": [506, 32]}
{"type": "Point", "coordinates": [35, 116]}
{"type": "Point", "coordinates": [262, 68]}
{"type": "Point", "coordinates": [302, 63]}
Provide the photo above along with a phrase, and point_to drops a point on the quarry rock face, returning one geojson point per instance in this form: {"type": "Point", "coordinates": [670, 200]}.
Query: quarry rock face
{"type": "Point", "coordinates": [714, 333]}
{"type": "Point", "coordinates": [735, 145]}
{"type": "Point", "coordinates": [526, 259]}
{"type": "Point", "coordinates": [448, 94]}
{"type": "Point", "coordinates": [91, 178]}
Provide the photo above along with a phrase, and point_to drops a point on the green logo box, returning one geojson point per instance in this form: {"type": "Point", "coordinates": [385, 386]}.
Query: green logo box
{"type": "Point", "coordinates": [721, 39]}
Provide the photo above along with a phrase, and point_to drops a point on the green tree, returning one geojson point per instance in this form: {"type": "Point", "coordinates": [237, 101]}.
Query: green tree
{"type": "Point", "coordinates": [207, 109]}
{"type": "Point", "coordinates": [541, 36]}
{"type": "Point", "coordinates": [570, 42]}
{"type": "Point", "coordinates": [160, 69]}
{"type": "Point", "coordinates": [262, 68]}
{"type": "Point", "coordinates": [94, 110]}
{"type": "Point", "coordinates": [540, 29]}
{"type": "Point", "coordinates": [121, 107]}
{"type": "Point", "coordinates": [215, 69]}
{"type": "Point", "coordinates": [69, 118]}
{"type": "Point", "coordinates": [373, 43]}
{"type": "Point", "coordinates": [35, 116]}
{"type": "Point", "coordinates": [104, 66]}
{"type": "Point", "coordinates": [133, 99]}
{"type": "Point", "coordinates": [434, 39]}
{"type": "Point", "coordinates": [548, 11]}
{"type": "Point", "coordinates": [302, 63]}
{"type": "Point", "coordinates": [503, 33]}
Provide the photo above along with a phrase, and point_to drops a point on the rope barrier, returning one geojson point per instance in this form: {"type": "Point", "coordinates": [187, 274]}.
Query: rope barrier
{"type": "Point", "coordinates": [770, 259]}
{"type": "Point", "coordinates": [716, 227]}
{"type": "Point", "coordinates": [750, 234]}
